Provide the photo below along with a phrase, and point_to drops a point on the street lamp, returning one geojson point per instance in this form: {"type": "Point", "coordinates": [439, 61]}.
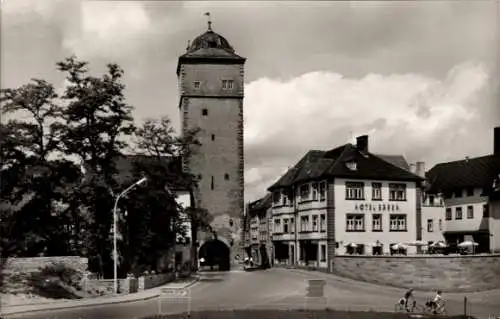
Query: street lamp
{"type": "Point", "coordinates": [115, 221]}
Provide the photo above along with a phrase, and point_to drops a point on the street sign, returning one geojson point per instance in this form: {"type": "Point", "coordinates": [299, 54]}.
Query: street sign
{"type": "Point", "coordinates": [175, 298]}
{"type": "Point", "coordinates": [174, 292]}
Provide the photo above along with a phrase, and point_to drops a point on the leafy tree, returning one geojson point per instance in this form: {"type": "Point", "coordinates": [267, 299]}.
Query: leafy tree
{"type": "Point", "coordinates": [29, 174]}
{"type": "Point", "coordinates": [159, 157]}
{"type": "Point", "coordinates": [97, 121]}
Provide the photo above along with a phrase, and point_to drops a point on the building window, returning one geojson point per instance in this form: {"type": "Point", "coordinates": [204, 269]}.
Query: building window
{"type": "Point", "coordinates": [322, 255]}
{"type": "Point", "coordinates": [292, 225]}
{"type": "Point", "coordinates": [470, 191]}
{"type": "Point", "coordinates": [322, 191]}
{"type": "Point", "coordinates": [277, 226]}
{"type": "Point", "coordinates": [277, 198]}
{"type": "Point", "coordinates": [285, 225]}
{"type": "Point", "coordinates": [440, 225]}
{"type": "Point", "coordinates": [354, 190]}
{"type": "Point", "coordinates": [457, 193]}
{"type": "Point", "coordinates": [226, 176]}
{"type": "Point", "coordinates": [397, 192]}
{"type": "Point", "coordinates": [314, 191]}
{"type": "Point", "coordinates": [376, 191]}
{"type": "Point", "coordinates": [196, 84]}
{"type": "Point", "coordinates": [376, 222]}
{"type": "Point", "coordinates": [284, 198]}
{"type": "Point", "coordinates": [448, 214]}
{"type": "Point", "coordinates": [355, 222]}
{"type": "Point", "coordinates": [322, 222]}
{"type": "Point", "coordinates": [431, 200]}
{"type": "Point", "coordinates": [353, 166]}
{"type": "Point", "coordinates": [305, 190]}
{"type": "Point", "coordinates": [315, 223]}
{"type": "Point", "coordinates": [213, 137]}
{"type": "Point", "coordinates": [304, 223]}
{"type": "Point", "coordinates": [470, 212]}
{"type": "Point", "coordinates": [397, 222]}
{"type": "Point", "coordinates": [227, 84]}
{"type": "Point", "coordinates": [430, 226]}
{"type": "Point", "coordinates": [204, 112]}
{"type": "Point", "coordinates": [458, 213]}
{"type": "Point", "coordinates": [212, 186]}
{"type": "Point", "coordinates": [486, 211]}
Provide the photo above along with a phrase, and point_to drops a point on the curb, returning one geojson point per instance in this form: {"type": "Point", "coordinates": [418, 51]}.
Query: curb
{"type": "Point", "coordinates": [86, 305]}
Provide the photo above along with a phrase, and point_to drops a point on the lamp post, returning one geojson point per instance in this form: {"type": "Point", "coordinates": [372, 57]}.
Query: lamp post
{"type": "Point", "coordinates": [115, 221]}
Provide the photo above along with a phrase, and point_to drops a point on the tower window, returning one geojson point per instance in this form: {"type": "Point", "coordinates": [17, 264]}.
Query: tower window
{"type": "Point", "coordinates": [204, 112]}
{"type": "Point", "coordinates": [227, 84]}
{"type": "Point", "coordinates": [212, 183]}
{"type": "Point", "coordinates": [226, 176]}
{"type": "Point", "coordinates": [196, 84]}
{"type": "Point", "coordinates": [213, 137]}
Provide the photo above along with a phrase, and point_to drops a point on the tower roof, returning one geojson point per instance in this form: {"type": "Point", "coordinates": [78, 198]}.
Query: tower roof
{"type": "Point", "coordinates": [210, 46]}
{"type": "Point", "coordinates": [210, 40]}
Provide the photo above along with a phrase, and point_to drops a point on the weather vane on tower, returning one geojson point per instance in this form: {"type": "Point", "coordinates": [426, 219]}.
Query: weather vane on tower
{"type": "Point", "coordinates": [209, 21]}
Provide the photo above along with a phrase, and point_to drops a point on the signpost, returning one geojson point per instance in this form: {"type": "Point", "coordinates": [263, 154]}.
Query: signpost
{"type": "Point", "coordinates": [174, 296]}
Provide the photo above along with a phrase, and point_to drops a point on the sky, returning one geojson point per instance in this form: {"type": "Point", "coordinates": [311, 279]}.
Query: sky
{"type": "Point", "coordinates": [419, 77]}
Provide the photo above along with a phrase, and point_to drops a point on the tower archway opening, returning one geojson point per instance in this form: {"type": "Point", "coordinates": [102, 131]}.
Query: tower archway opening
{"type": "Point", "coordinates": [215, 254]}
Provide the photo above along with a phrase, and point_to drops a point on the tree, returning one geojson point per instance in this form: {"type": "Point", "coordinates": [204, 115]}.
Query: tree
{"type": "Point", "coordinates": [159, 157]}
{"type": "Point", "coordinates": [29, 171]}
{"type": "Point", "coordinates": [97, 121]}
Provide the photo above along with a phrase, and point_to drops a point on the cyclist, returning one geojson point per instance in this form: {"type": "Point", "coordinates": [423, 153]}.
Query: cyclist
{"type": "Point", "coordinates": [407, 296]}
{"type": "Point", "coordinates": [436, 303]}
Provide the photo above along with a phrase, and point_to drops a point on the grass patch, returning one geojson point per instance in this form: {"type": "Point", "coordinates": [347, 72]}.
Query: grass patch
{"type": "Point", "coordinates": [293, 314]}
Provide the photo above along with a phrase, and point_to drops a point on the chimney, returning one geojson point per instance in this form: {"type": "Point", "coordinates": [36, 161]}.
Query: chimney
{"type": "Point", "coordinates": [420, 170]}
{"type": "Point", "coordinates": [496, 141]}
{"type": "Point", "coordinates": [412, 168]}
{"type": "Point", "coordinates": [362, 143]}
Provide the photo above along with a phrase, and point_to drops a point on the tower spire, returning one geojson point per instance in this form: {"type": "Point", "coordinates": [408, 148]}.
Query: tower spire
{"type": "Point", "coordinates": [209, 21]}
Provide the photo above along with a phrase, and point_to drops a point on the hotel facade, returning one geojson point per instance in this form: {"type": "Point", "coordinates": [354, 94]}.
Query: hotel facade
{"type": "Point", "coordinates": [345, 200]}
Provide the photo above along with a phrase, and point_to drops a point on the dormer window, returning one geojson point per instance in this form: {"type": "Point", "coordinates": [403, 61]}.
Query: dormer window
{"type": "Point", "coordinates": [353, 166]}
{"type": "Point", "coordinates": [196, 84]}
{"type": "Point", "coordinates": [212, 44]}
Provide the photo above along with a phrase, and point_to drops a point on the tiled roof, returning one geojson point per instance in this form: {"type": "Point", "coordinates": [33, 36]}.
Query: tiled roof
{"type": "Point", "coordinates": [397, 160]}
{"type": "Point", "coordinates": [262, 203]}
{"type": "Point", "coordinates": [472, 172]}
{"type": "Point", "coordinates": [320, 164]}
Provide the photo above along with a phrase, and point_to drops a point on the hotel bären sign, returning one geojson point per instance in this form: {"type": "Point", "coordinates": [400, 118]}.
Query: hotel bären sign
{"type": "Point", "coordinates": [369, 207]}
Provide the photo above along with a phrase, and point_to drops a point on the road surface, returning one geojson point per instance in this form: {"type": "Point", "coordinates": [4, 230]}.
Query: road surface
{"type": "Point", "coordinates": [273, 289]}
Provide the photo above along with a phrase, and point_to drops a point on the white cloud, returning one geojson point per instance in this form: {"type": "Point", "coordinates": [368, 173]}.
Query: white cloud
{"type": "Point", "coordinates": [108, 28]}
{"type": "Point", "coordinates": [320, 110]}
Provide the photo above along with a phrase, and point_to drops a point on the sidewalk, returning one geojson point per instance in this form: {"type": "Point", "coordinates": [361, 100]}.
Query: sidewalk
{"type": "Point", "coordinates": [106, 300]}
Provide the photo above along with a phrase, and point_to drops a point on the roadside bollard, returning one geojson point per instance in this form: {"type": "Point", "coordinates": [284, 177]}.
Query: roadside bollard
{"type": "Point", "coordinates": [465, 306]}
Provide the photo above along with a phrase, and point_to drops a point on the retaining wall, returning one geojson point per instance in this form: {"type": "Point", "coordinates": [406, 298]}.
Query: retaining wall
{"type": "Point", "coordinates": [448, 273]}
{"type": "Point", "coordinates": [28, 265]}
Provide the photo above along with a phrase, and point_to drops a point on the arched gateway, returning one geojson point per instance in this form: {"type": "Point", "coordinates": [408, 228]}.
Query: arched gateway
{"type": "Point", "coordinates": [215, 253]}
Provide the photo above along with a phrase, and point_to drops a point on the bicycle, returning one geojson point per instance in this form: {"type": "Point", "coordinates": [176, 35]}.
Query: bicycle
{"type": "Point", "coordinates": [440, 310]}
{"type": "Point", "coordinates": [413, 307]}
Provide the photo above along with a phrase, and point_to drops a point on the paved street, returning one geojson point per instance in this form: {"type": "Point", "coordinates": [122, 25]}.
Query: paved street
{"type": "Point", "coordinates": [275, 288]}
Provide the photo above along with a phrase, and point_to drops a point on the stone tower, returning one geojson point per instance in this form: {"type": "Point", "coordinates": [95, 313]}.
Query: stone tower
{"type": "Point", "coordinates": [211, 82]}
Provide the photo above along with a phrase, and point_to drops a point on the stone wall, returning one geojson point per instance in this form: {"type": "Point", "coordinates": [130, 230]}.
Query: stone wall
{"type": "Point", "coordinates": [28, 265]}
{"type": "Point", "coordinates": [448, 273]}
{"type": "Point", "coordinates": [151, 281]}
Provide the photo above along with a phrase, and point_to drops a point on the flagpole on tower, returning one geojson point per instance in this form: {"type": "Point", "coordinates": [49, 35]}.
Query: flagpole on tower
{"type": "Point", "coordinates": [209, 21]}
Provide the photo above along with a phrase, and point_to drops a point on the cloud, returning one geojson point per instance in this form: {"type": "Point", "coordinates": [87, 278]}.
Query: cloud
{"type": "Point", "coordinates": [407, 114]}
{"type": "Point", "coordinates": [110, 27]}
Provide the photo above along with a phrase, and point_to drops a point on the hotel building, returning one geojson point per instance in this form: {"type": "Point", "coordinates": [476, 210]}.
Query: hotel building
{"type": "Point", "coordinates": [341, 201]}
